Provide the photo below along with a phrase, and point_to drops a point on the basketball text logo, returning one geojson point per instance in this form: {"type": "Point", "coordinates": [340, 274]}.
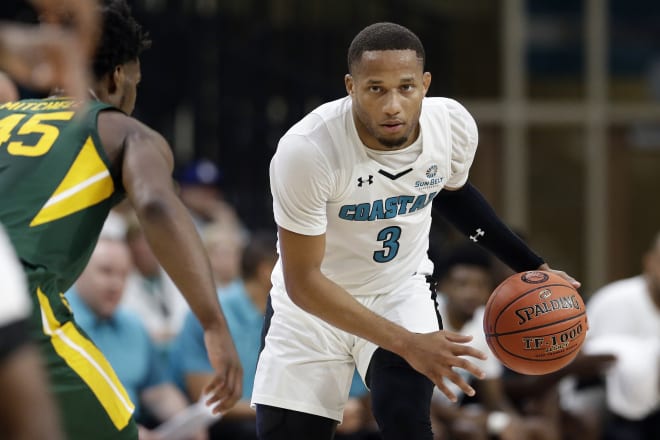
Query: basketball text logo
{"type": "Point", "coordinates": [553, 343]}
{"type": "Point", "coordinates": [530, 312]}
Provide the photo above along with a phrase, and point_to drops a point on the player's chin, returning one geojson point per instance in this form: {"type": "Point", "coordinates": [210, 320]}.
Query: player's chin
{"type": "Point", "coordinates": [393, 141]}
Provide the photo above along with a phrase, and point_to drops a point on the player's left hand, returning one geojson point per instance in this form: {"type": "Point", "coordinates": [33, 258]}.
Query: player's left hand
{"type": "Point", "coordinates": [575, 283]}
{"type": "Point", "coordinates": [226, 387]}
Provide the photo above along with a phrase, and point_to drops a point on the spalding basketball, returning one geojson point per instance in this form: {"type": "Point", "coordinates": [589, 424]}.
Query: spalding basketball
{"type": "Point", "coordinates": [535, 322]}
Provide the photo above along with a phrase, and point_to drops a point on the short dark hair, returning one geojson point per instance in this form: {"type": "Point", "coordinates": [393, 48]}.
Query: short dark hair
{"type": "Point", "coordinates": [122, 38]}
{"type": "Point", "coordinates": [384, 36]}
{"type": "Point", "coordinates": [261, 247]}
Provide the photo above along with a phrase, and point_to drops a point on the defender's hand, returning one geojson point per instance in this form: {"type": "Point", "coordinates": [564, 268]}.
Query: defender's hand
{"type": "Point", "coordinates": [226, 387]}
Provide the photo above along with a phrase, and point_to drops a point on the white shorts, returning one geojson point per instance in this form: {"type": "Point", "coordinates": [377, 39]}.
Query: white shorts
{"type": "Point", "coordinates": [307, 364]}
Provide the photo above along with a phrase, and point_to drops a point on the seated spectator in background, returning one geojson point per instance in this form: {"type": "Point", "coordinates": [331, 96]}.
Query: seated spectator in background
{"type": "Point", "coordinates": [199, 183]}
{"type": "Point", "coordinates": [550, 396]}
{"type": "Point", "coordinates": [624, 320]}
{"type": "Point", "coordinates": [465, 285]}
{"type": "Point", "coordinates": [121, 336]}
{"type": "Point", "coordinates": [150, 292]}
{"type": "Point", "coordinates": [244, 310]}
{"type": "Point", "coordinates": [578, 418]}
{"type": "Point", "coordinates": [224, 246]}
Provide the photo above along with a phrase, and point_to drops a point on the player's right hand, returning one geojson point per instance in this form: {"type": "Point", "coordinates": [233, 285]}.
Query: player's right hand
{"type": "Point", "coordinates": [226, 387]}
{"type": "Point", "coordinates": [437, 354]}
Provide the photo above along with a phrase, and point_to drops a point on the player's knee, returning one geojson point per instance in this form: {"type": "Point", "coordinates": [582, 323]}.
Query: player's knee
{"type": "Point", "coordinates": [284, 424]}
{"type": "Point", "coordinates": [401, 397]}
{"type": "Point", "coordinates": [399, 420]}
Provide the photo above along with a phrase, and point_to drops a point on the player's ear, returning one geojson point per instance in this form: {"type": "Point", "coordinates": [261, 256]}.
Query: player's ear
{"type": "Point", "coordinates": [426, 81]}
{"type": "Point", "coordinates": [348, 81]}
{"type": "Point", "coordinates": [116, 79]}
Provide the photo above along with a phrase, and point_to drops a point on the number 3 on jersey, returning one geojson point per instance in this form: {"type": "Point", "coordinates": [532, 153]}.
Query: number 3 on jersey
{"type": "Point", "coordinates": [47, 133]}
{"type": "Point", "coordinates": [390, 238]}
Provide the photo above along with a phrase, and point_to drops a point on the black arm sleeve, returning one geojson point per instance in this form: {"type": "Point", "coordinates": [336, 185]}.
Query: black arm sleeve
{"type": "Point", "coordinates": [469, 212]}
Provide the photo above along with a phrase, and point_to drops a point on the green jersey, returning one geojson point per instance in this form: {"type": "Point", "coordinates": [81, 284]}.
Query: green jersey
{"type": "Point", "coordinates": [57, 187]}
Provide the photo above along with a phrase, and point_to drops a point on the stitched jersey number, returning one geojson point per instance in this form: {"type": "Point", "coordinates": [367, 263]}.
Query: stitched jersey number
{"type": "Point", "coordinates": [47, 134]}
{"type": "Point", "coordinates": [390, 238]}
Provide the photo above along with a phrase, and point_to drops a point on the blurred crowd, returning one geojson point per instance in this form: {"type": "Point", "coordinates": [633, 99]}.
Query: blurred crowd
{"type": "Point", "coordinates": [132, 310]}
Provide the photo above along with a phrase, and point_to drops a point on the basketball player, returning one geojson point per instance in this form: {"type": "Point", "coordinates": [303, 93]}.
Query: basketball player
{"type": "Point", "coordinates": [353, 183]}
{"type": "Point", "coordinates": [60, 177]}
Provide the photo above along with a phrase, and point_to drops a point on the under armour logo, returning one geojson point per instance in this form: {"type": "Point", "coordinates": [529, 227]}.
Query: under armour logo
{"type": "Point", "coordinates": [478, 233]}
{"type": "Point", "coordinates": [369, 180]}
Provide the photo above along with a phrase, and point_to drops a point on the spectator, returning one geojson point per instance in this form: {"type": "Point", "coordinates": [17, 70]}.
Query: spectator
{"type": "Point", "coordinates": [121, 336]}
{"type": "Point", "coordinates": [150, 292]}
{"type": "Point", "coordinates": [244, 309]}
{"type": "Point", "coordinates": [465, 284]}
{"type": "Point", "coordinates": [624, 319]}
{"type": "Point", "coordinates": [224, 245]}
{"type": "Point", "coordinates": [199, 183]}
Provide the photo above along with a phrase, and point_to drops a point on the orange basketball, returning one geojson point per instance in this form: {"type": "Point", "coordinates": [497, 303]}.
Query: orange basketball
{"type": "Point", "coordinates": [535, 322]}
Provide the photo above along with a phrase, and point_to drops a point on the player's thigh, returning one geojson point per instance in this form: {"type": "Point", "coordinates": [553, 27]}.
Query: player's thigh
{"type": "Point", "coordinates": [91, 401]}
{"type": "Point", "coordinates": [410, 306]}
{"type": "Point", "coordinates": [305, 364]}
{"type": "Point", "coordinates": [401, 397]}
{"type": "Point", "coordinates": [284, 424]}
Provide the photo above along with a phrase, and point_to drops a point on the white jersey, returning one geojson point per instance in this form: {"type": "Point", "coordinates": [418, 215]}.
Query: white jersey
{"type": "Point", "coordinates": [376, 219]}
{"type": "Point", "coordinates": [16, 304]}
{"type": "Point", "coordinates": [624, 321]}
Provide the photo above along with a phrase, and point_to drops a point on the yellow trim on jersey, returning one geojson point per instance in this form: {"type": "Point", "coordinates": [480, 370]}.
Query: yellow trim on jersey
{"type": "Point", "coordinates": [87, 183]}
{"type": "Point", "coordinates": [89, 363]}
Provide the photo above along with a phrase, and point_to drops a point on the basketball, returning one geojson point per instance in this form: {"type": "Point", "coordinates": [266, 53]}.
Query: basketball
{"type": "Point", "coordinates": [535, 322]}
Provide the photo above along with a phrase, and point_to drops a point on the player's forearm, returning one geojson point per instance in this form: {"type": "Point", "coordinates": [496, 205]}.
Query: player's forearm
{"type": "Point", "coordinates": [321, 297]}
{"type": "Point", "coordinates": [471, 214]}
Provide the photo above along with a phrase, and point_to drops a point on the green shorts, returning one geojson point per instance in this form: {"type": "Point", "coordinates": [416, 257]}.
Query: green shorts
{"type": "Point", "coordinates": [93, 404]}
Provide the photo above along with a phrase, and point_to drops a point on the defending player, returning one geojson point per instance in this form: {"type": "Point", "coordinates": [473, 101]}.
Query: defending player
{"type": "Point", "coordinates": [353, 183]}
{"type": "Point", "coordinates": [59, 178]}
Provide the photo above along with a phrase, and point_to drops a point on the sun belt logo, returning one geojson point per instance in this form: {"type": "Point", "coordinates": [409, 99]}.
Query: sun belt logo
{"type": "Point", "coordinates": [431, 173]}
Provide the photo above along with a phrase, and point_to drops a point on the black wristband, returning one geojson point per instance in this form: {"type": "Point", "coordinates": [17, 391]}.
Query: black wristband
{"type": "Point", "coordinates": [469, 212]}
